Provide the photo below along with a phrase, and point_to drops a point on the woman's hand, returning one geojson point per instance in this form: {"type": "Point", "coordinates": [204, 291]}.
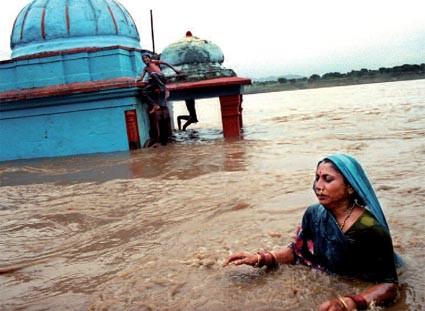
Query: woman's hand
{"type": "Point", "coordinates": [337, 305]}
{"type": "Point", "coordinates": [379, 293]}
{"type": "Point", "coordinates": [243, 258]}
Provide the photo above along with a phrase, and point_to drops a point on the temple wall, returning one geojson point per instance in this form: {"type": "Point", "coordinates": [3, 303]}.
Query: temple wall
{"type": "Point", "coordinates": [81, 65]}
{"type": "Point", "coordinates": [90, 125]}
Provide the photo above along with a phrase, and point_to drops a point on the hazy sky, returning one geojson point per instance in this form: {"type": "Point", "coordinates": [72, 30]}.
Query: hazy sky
{"type": "Point", "coordinates": [279, 37]}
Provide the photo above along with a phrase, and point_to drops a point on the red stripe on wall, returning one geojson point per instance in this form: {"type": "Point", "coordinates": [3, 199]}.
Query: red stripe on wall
{"type": "Point", "coordinates": [115, 83]}
{"type": "Point", "coordinates": [68, 24]}
{"type": "Point", "coordinates": [23, 23]}
{"type": "Point", "coordinates": [113, 19]}
{"type": "Point", "coordinates": [72, 51]}
{"type": "Point", "coordinates": [43, 32]}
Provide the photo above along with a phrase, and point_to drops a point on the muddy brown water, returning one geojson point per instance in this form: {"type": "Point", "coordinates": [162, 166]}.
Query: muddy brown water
{"type": "Point", "coordinates": [149, 229]}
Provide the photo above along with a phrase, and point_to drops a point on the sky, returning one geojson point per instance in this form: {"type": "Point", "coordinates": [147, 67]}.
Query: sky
{"type": "Point", "coordinates": [279, 37]}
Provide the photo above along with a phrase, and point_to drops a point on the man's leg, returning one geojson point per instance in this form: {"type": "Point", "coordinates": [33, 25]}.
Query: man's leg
{"type": "Point", "coordinates": [179, 120]}
{"type": "Point", "coordinates": [146, 95]}
{"type": "Point", "coordinates": [188, 122]}
{"type": "Point", "coordinates": [159, 80]}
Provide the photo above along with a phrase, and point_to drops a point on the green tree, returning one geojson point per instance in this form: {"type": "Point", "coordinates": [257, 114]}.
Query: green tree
{"type": "Point", "coordinates": [314, 77]}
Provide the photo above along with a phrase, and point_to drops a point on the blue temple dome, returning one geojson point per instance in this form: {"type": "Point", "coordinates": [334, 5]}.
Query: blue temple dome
{"type": "Point", "coordinates": [55, 25]}
{"type": "Point", "coordinates": [198, 58]}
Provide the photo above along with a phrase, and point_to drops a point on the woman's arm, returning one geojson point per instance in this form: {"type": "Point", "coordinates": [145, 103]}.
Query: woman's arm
{"type": "Point", "coordinates": [380, 294]}
{"type": "Point", "coordinates": [284, 256]}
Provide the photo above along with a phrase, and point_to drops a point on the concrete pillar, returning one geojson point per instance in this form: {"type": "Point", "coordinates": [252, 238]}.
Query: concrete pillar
{"type": "Point", "coordinates": [231, 116]}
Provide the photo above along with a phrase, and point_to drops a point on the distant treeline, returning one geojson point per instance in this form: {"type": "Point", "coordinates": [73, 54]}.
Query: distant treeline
{"type": "Point", "coordinates": [404, 72]}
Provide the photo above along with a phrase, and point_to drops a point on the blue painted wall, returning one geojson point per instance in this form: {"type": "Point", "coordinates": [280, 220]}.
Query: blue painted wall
{"type": "Point", "coordinates": [60, 42]}
{"type": "Point", "coordinates": [86, 125]}
{"type": "Point", "coordinates": [70, 68]}
{"type": "Point", "coordinates": [72, 124]}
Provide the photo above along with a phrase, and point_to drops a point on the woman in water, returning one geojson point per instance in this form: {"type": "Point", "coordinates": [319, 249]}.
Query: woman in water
{"type": "Point", "coordinates": [345, 233]}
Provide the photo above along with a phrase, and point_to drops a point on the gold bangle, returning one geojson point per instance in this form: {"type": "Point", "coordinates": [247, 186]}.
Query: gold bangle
{"type": "Point", "coordinates": [258, 260]}
{"type": "Point", "coordinates": [344, 304]}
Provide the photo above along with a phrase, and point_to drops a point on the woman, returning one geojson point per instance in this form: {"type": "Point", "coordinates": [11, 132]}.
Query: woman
{"type": "Point", "coordinates": [346, 233]}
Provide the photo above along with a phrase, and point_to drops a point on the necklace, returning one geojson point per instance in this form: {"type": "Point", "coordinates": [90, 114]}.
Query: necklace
{"type": "Point", "coordinates": [348, 215]}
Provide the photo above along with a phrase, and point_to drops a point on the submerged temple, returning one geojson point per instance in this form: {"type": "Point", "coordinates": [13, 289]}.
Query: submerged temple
{"type": "Point", "coordinates": [71, 85]}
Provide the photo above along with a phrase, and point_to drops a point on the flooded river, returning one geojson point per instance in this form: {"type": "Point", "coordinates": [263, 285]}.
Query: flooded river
{"type": "Point", "coordinates": [149, 229]}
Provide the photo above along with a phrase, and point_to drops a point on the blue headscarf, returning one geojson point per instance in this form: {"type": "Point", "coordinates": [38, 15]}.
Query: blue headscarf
{"type": "Point", "coordinates": [355, 175]}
